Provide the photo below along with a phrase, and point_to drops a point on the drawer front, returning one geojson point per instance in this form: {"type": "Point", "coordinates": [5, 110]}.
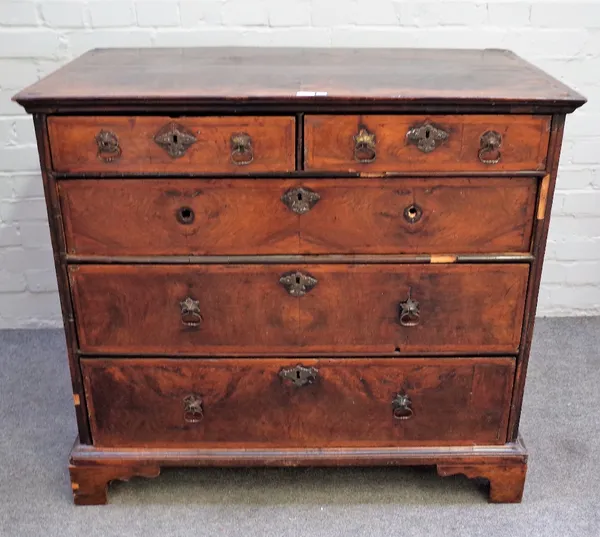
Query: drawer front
{"type": "Point", "coordinates": [315, 216]}
{"type": "Point", "coordinates": [376, 143]}
{"type": "Point", "coordinates": [253, 309]}
{"type": "Point", "coordinates": [322, 403]}
{"type": "Point", "coordinates": [146, 144]}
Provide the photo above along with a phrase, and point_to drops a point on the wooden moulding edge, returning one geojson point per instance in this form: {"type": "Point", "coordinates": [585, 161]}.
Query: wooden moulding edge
{"type": "Point", "coordinates": [401, 456]}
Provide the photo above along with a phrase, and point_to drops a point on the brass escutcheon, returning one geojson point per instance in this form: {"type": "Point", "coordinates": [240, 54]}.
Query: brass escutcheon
{"type": "Point", "coordinates": [427, 136]}
{"type": "Point", "coordinates": [300, 200]}
{"type": "Point", "coordinates": [296, 283]}
{"type": "Point", "coordinates": [299, 375]}
{"type": "Point", "coordinates": [175, 139]}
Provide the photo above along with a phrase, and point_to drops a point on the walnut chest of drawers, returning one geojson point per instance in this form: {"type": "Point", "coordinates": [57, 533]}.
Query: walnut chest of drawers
{"type": "Point", "coordinates": [298, 257]}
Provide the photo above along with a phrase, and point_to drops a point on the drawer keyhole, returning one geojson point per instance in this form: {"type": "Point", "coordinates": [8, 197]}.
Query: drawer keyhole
{"type": "Point", "coordinates": [413, 213]}
{"type": "Point", "coordinates": [175, 139]}
{"type": "Point", "coordinates": [299, 375]}
{"type": "Point", "coordinates": [297, 283]}
{"type": "Point", "coordinates": [427, 136]}
{"type": "Point", "coordinates": [185, 215]}
{"type": "Point", "coordinates": [300, 200]}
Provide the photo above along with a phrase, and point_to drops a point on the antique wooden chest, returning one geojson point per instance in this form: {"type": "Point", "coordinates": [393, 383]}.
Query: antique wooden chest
{"type": "Point", "coordinates": [298, 257]}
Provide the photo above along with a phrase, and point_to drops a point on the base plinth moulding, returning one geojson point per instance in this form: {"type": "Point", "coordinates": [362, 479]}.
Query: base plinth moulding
{"type": "Point", "coordinates": [92, 468]}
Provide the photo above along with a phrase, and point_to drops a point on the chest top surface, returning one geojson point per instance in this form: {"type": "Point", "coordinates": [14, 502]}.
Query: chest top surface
{"type": "Point", "coordinates": [200, 76]}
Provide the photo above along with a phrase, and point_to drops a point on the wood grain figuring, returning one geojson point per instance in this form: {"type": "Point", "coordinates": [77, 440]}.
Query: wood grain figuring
{"type": "Point", "coordinates": [352, 308]}
{"type": "Point", "coordinates": [479, 215]}
{"type": "Point", "coordinates": [74, 148]}
{"type": "Point", "coordinates": [244, 77]}
{"type": "Point", "coordinates": [139, 403]}
{"type": "Point", "coordinates": [215, 318]}
{"type": "Point", "coordinates": [140, 217]}
{"type": "Point", "coordinates": [247, 217]}
{"type": "Point", "coordinates": [329, 143]}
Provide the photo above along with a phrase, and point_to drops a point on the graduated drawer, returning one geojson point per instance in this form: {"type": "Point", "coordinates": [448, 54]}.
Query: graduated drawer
{"type": "Point", "coordinates": [149, 144]}
{"type": "Point", "coordinates": [313, 216]}
{"type": "Point", "coordinates": [271, 309]}
{"type": "Point", "coordinates": [290, 403]}
{"type": "Point", "coordinates": [380, 143]}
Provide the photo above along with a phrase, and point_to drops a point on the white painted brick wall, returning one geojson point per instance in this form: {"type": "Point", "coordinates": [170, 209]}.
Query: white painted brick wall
{"type": "Point", "coordinates": [38, 36]}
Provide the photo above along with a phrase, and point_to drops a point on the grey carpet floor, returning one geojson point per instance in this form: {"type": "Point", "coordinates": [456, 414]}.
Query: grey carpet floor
{"type": "Point", "coordinates": [560, 423]}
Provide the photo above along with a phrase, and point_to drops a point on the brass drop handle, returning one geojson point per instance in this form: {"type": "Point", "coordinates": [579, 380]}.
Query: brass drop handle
{"type": "Point", "coordinates": [402, 407]}
{"type": "Point", "coordinates": [410, 314]}
{"type": "Point", "coordinates": [193, 409]}
{"type": "Point", "coordinates": [109, 149]}
{"type": "Point", "coordinates": [489, 152]}
{"type": "Point", "coordinates": [299, 375]}
{"type": "Point", "coordinates": [364, 146]}
{"type": "Point", "coordinates": [242, 152]}
{"type": "Point", "coordinates": [190, 312]}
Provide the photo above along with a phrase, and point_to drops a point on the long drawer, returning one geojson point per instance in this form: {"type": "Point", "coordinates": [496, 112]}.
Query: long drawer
{"type": "Point", "coordinates": [286, 403]}
{"type": "Point", "coordinates": [270, 309]}
{"type": "Point", "coordinates": [267, 216]}
{"type": "Point", "coordinates": [438, 143]}
{"type": "Point", "coordinates": [154, 144]}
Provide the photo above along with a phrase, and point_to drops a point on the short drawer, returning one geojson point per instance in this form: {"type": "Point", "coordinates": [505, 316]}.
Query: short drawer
{"type": "Point", "coordinates": [374, 143]}
{"type": "Point", "coordinates": [141, 217]}
{"type": "Point", "coordinates": [290, 403]}
{"type": "Point", "coordinates": [274, 309]}
{"type": "Point", "coordinates": [149, 144]}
